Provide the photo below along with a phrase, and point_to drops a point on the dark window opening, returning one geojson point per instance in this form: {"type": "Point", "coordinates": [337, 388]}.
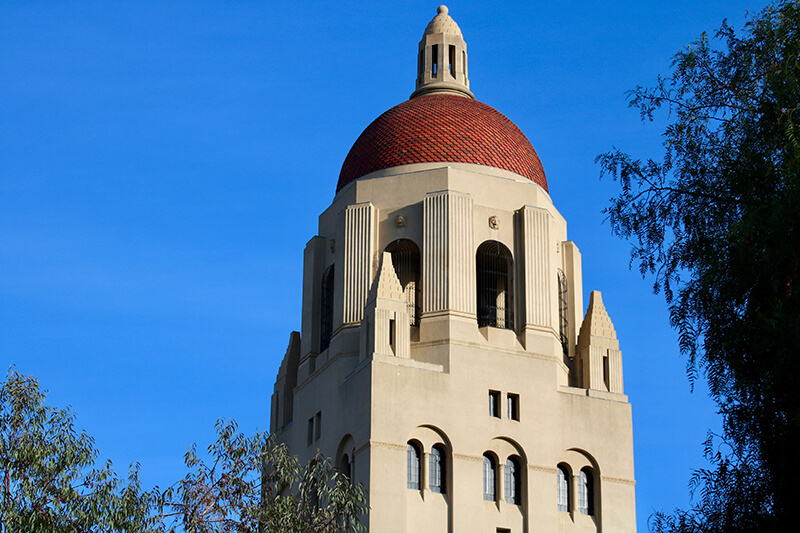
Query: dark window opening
{"type": "Point", "coordinates": [326, 310]}
{"type": "Point", "coordinates": [391, 335]}
{"type": "Point", "coordinates": [310, 434]}
{"type": "Point", "coordinates": [563, 310]}
{"type": "Point", "coordinates": [605, 373]}
{"type": "Point", "coordinates": [513, 482]}
{"type": "Point", "coordinates": [563, 489]}
{"type": "Point", "coordinates": [452, 61]}
{"type": "Point", "coordinates": [435, 60]}
{"type": "Point", "coordinates": [489, 478]}
{"type": "Point", "coordinates": [420, 64]}
{"type": "Point", "coordinates": [494, 404]}
{"type": "Point", "coordinates": [413, 472]}
{"type": "Point", "coordinates": [495, 292]}
{"type": "Point", "coordinates": [586, 492]}
{"type": "Point", "coordinates": [318, 425]}
{"type": "Point", "coordinates": [406, 262]}
{"type": "Point", "coordinates": [438, 470]}
{"type": "Point", "coordinates": [513, 407]}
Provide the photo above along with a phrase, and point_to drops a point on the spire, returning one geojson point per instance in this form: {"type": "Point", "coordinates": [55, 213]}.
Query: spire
{"type": "Point", "coordinates": [442, 59]}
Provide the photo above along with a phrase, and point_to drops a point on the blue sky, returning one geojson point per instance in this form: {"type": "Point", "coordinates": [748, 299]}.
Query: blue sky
{"type": "Point", "coordinates": [162, 165]}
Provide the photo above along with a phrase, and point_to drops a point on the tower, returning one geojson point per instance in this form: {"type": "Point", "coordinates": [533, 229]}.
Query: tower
{"type": "Point", "coordinates": [445, 361]}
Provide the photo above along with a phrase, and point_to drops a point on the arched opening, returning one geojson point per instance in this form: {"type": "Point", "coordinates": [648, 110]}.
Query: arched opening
{"type": "Point", "coordinates": [413, 470]}
{"type": "Point", "coordinates": [563, 310]}
{"type": "Point", "coordinates": [586, 492]}
{"type": "Point", "coordinates": [494, 267]}
{"type": "Point", "coordinates": [438, 469]}
{"type": "Point", "coordinates": [489, 477]}
{"type": "Point", "coordinates": [406, 261]}
{"type": "Point", "coordinates": [513, 481]}
{"type": "Point", "coordinates": [563, 488]}
{"type": "Point", "coordinates": [326, 310]}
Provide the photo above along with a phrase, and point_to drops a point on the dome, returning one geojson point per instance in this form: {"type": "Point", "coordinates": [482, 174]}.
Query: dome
{"type": "Point", "coordinates": [444, 128]}
{"type": "Point", "coordinates": [442, 23]}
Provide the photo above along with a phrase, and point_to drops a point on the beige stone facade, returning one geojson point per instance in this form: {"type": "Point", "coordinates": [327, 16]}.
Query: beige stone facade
{"type": "Point", "coordinates": [445, 360]}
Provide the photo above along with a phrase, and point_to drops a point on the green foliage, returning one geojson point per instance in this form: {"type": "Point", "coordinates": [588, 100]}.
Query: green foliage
{"type": "Point", "coordinates": [49, 482]}
{"type": "Point", "coordinates": [249, 484]}
{"type": "Point", "coordinates": [717, 224]}
{"type": "Point", "coordinates": [252, 484]}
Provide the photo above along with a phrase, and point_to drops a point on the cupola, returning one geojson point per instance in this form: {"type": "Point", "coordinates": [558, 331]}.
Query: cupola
{"type": "Point", "coordinates": [442, 58]}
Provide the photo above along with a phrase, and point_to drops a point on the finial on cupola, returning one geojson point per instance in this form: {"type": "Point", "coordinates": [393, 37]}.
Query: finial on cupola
{"type": "Point", "coordinates": [442, 59]}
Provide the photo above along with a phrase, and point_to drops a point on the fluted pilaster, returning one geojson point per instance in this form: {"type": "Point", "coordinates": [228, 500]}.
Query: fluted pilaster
{"type": "Point", "coordinates": [448, 278]}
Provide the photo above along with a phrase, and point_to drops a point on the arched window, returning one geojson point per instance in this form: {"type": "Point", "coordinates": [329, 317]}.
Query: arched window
{"type": "Point", "coordinates": [438, 470]}
{"type": "Point", "coordinates": [413, 474]}
{"type": "Point", "coordinates": [489, 477]}
{"type": "Point", "coordinates": [513, 482]}
{"type": "Point", "coordinates": [563, 309]}
{"type": "Point", "coordinates": [326, 310]}
{"type": "Point", "coordinates": [405, 258]}
{"type": "Point", "coordinates": [563, 489]}
{"type": "Point", "coordinates": [345, 466]}
{"type": "Point", "coordinates": [494, 267]}
{"type": "Point", "coordinates": [586, 492]}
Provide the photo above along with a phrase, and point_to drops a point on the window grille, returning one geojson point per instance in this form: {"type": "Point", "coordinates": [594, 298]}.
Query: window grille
{"type": "Point", "coordinates": [413, 466]}
{"type": "Point", "coordinates": [513, 484]}
{"type": "Point", "coordinates": [438, 472]}
{"type": "Point", "coordinates": [488, 478]}
{"type": "Point", "coordinates": [563, 490]}
{"type": "Point", "coordinates": [586, 493]}
{"type": "Point", "coordinates": [326, 310]}
{"type": "Point", "coordinates": [495, 292]}
{"type": "Point", "coordinates": [406, 261]}
{"type": "Point", "coordinates": [563, 310]}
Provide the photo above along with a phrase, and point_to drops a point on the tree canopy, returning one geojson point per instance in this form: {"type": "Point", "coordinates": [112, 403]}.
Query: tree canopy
{"type": "Point", "coordinates": [50, 483]}
{"type": "Point", "coordinates": [716, 223]}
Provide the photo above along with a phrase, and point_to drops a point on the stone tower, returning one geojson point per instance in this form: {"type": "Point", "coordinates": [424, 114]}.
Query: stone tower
{"type": "Point", "coordinates": [445, 361]}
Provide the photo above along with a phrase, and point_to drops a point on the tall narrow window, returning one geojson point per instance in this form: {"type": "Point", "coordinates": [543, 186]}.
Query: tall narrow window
{"type": "Point", "coordinates": [495, 301]}
{"type": "Point", "coordinates": [435, 60]}
{"type": "Point", "coordinates": [345, 466]}
{"type": "Point", "coordinates": [563, 489]}
{"type": "Point", "coordinates": [586, 492]}
{"type": "Point", "coordinates": [494, 403]}
{"type": "Point", "coordinates": [326, 310]}
{"type": "Point", "coordinates": [420, 65]}
{"type": "Point", "coordinates": [563, 310]}
{"type": "Point", "coordinates": [438, 470]}
{"type": "Point", "coordinates": [406, 261]}
{"type": "Point", "coordinates": [513, 406]}
{"type": "Point", "coordinates": [451, 58]}
{"type": "Point", "coordinates": [310, 433]}
{"type": "Point", "coordinates": [489, 478]}
{"type": "Point", "coordinates": [413, 466]}
{"type": "Point", "coordinates": [513, 482]}
{"type": "Point", "coordinates": [318, 425]}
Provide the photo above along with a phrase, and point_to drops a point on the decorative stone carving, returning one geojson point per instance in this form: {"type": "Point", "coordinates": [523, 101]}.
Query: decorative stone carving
{"type": "Point", "coordinates": [400, 221]}
{"type": "Point", "coordinates": [494, 222]}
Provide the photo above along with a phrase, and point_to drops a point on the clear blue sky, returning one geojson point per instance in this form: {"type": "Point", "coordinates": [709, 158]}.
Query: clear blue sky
{"type": "Point", "coordinates": [162, 165]}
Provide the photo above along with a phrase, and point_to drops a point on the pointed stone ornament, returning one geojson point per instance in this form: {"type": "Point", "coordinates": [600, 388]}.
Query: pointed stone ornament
{"type": "Point", "coordinates": [599, 360]}
{"type": "Point", "coordinates": [442, 58]}
{"type": "Point", "coordinates": [385, 329]}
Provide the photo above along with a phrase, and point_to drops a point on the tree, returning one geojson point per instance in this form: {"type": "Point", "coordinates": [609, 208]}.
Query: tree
{"type": "Point", "coordinates": [251, 484]}
{"type": "Point", "coordinates": [49, 481]}
{"type": "Point", "coordinates": [254, 485]}
{"type": "Point", "coordinates": [717, 224]}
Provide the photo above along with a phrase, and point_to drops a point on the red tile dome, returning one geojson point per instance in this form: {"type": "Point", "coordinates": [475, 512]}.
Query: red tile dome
{"type": "Point", "coordinates": [444, 128]}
